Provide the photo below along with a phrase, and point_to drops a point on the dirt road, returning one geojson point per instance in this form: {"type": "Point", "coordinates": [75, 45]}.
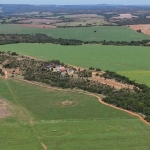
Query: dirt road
{"type": "Point", "coordinates": [6, 74]}
{"type": "Point", "coordinates": [91, 94]}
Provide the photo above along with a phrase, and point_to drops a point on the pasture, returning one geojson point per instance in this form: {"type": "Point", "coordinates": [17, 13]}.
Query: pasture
{"type": "Point", "coordinates": [108, 33]}
{"type": "Point", "coordinates": [130, 61]}
{"type": "Point", "coordinates": [87, 125]}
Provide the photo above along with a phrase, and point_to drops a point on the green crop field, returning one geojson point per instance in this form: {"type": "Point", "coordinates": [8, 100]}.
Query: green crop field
{"type": "Point", "coordinates": [130, 61]}
{"type": "Point", "coordinates": [107, 33]}
{"type": "Point", "coordinates": [86, 125]}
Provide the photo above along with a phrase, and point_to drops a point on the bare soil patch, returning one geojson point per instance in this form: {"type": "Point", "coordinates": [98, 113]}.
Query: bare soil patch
{"type": "Point", "coordinates": [145, 28]}
{"type": "Point", "coordinates": [6, 74]}
{"type": "Point", "coordinates": [37, 25]}
{"type": "Point", "coordinates": [69, 103]}
{"type": "Point", "coordinates": [4, 112]}
{"type": "Point", "coordinates": [125, 16]}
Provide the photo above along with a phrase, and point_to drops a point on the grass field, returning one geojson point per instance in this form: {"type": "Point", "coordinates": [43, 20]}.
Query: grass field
{"type": "Point", "coordinates": [130, 61]}
{"type": "Point", "coordinates": [87, 125]}
{"type": "Point", "coordinates": [107, 33]}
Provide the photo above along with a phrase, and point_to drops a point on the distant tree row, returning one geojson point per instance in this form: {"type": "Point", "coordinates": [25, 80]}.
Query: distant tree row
{"type": "Point", "coordinates": [43, 38]}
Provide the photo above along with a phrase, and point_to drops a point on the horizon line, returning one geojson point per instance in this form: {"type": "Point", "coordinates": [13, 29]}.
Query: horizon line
{"type": "Point", "coordinates": [77, 4]}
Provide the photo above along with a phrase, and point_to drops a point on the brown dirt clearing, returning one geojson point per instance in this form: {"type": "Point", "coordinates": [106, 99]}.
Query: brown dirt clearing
{"type": "Point", "coordinates": [69, 103]}
{"type": "Point", "coordinates": [145, 28]}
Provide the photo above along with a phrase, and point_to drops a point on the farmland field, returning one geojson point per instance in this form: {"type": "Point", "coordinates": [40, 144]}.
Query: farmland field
{"type": "Point", "coordinates": [130, 61]}
{"type": "Point", "coordinates": [88, 125]}
{"type": "Point", "coordinates": [107, 33]}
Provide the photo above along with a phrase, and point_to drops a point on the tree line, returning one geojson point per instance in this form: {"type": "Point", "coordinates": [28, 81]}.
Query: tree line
{"type": "Point", "coordinates": [43, 38]}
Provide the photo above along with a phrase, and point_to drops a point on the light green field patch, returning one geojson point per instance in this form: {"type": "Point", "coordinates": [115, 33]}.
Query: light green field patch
{"type": "Point", "coordinates": [89, 125]}
{"type": "Point", "coordinates": [115, 58]}
{"type": "Point", "coordinates": [140, 76]}
{"type": "Point", "coordinates": [108, 33]}
{"type": "Point", "coordinates": [46, 104]}
{"type": "Point", "coordinates": [121, 59]}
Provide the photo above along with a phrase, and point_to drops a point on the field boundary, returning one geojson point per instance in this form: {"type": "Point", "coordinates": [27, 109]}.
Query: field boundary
{"type": "Point", "coordinates": [90, 94]}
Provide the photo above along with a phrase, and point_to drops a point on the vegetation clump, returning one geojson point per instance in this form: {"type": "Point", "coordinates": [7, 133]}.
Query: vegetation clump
{"type": "Point", "coordinates": [43, 38]}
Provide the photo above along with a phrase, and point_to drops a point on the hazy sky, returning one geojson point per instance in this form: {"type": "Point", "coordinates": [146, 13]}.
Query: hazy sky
{"type": "Point", "coordinates": [75, 2]}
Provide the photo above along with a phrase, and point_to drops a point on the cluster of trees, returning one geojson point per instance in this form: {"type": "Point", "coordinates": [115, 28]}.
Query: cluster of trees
{"type": "Point", "coordinates": [1, 72]}
{"type": "Point", "coordinates": [119, 78]}
{"type": "Point", "coordinates": [134, 101]}
{"type": "Point", "coordinates": [85, 73]}
{"type": "Point", "coordinates": [36, 38]}
{"type": "Point", "coordinates": [112, 75]}
{"type": "Point", "coordinates": [137, 100]}
{"type": "Point", "coordinates": [96, 69]}
{"type": "Point", "coordinates": [121, 43]}
{"type": "Point", "coordinates": [133, 21]}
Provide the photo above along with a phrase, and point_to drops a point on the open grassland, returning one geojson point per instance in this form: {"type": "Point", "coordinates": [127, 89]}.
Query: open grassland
{"type": "Point", "coordinates": [108, 33]}
{"type": "Point", "coordinates": [141, 76]}
{"type": "Point", "coordinates": [86, 125]}
{"type": "Point", "coordinates": [130, 61]}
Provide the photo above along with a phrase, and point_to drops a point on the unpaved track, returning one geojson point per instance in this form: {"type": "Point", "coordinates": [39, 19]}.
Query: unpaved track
{"type": "Point", "coordinates": [44, 146]}
{"type": "Point", "coordinates": [6, 74]}
{"type": "Point", "coordinates": [31, 120]}
{"type": "Point", "coordinates": [90, 94]}
{"type": "Point", "coordinates": [4, 112]}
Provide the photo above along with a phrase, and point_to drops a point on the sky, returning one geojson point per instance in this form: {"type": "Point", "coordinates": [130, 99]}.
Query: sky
{"type": "Point", "coordinates": [77, 2]}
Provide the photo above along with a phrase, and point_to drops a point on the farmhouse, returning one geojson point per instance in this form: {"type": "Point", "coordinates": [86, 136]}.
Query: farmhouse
{"type": "Point", "coordinates": [61, 69]}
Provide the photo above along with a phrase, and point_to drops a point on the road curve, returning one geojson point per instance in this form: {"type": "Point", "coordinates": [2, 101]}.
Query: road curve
{"type": "Point", "coordinates": [90, 94]}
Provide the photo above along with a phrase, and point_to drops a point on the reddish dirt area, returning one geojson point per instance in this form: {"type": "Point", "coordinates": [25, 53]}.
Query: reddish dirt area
{"type": "Point", "coordinates": [4, 112]}
{"type": "Point", "coordinates": [37, 25]}
{"type": "Point", "coordinates": [145, 28]}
